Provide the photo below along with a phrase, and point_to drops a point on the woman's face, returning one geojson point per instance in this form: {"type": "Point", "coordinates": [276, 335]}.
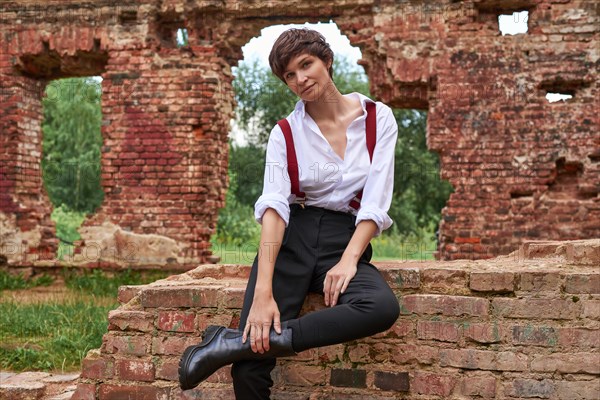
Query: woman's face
{"type": "Point", "coordinates": [307, 76]}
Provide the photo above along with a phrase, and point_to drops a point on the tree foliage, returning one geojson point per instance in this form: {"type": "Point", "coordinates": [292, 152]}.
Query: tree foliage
{"type": "Point", "coordinates": [71, 143]}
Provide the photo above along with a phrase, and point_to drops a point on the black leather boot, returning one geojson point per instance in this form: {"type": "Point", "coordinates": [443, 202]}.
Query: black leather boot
{"type": "Point", "coordinates": [221, 346]}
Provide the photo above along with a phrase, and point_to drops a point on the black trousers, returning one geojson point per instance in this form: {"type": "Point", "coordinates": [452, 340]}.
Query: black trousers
{"type": "Point", "coordinates": [313, 243]}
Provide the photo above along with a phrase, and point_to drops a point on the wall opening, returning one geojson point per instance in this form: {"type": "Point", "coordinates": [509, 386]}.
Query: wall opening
{"type": "Point", "coordinates": [71, 147]}
{"type": "Point", "coordinates": [554, 97]}
{"type": "Point", "coordinates": [182, 37]}
{"type": "Point", "coordinates": [513, 24]}
{"type": "Point", "coordinates": [262, 99]}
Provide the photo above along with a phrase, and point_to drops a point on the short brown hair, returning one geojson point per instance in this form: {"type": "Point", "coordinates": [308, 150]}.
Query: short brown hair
{"type": "Point", "coordinates": [296, 41]}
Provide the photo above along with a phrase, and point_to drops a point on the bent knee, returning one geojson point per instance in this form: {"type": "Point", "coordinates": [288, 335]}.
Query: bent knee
{"type": "Point", "coordinates": [388, 309]}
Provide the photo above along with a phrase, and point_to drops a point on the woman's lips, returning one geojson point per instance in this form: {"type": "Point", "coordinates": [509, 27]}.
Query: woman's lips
{"type": "Point", "coordinates": [308, 88]}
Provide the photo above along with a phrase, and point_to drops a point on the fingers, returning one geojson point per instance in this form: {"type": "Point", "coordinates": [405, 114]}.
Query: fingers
{"type": "Point", "coordinates": [277, 324]}
{"type": "Point", "coordinates": [265, 336]}
{"type": "Point", "coordinates": [254, 335]}
{"type": "Point", "coordinates": [246, 330]}
{"type": "Point", "coordinates": [336, 293]}
{"type": "Point", "coordinates": [333, 286]}
{"type": "Point", "coordinates": [326, 284]}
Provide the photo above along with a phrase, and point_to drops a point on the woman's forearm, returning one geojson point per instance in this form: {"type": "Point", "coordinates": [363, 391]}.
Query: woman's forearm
{"type": "Point", "coordinates": [271, 236]}
{"type": "Point", "coordinates": [360, 240]}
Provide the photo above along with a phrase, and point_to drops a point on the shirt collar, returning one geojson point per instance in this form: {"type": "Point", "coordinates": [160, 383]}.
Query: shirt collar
{"type": "Point", "coordinates": [300, 104]}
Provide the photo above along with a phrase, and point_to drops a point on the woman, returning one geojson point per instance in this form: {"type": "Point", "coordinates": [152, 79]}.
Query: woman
{"type": "Point", "coordinates": [316, 228]}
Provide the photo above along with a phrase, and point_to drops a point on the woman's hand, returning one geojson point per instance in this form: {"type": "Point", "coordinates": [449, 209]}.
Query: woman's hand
{"type": "Point", "coordinates": [337, 280]}
{"type": "Point", "coordinates": [263, 313]}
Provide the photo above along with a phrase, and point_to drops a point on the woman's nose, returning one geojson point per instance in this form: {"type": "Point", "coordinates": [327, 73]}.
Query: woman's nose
{"type": "Point", "coordinates": [302, 78]}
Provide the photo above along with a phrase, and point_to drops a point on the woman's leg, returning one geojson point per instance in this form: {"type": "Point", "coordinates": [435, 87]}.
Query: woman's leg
{"type": "Point", "coordinates": [291, 280]}
{"type": "Point", "coordinates": [368, 306]}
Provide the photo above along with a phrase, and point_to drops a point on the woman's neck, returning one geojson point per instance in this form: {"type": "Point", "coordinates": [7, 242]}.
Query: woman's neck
{"type": "Point", "coordinates": [331, 106]}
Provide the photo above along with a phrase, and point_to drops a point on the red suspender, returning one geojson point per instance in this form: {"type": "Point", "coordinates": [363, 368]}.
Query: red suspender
{"type": "Point", "coordinates": [291, 158]}
{"type": "Point", "coordinates": [371, 128]}
{"type": "Point", "coordinates": [371, 124]}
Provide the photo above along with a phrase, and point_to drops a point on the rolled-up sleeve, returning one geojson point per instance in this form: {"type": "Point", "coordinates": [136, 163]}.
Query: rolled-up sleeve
{"type": "Point", "coordinates": [276, 187]}
{"type": "Point", "coordinates": [378, 190]}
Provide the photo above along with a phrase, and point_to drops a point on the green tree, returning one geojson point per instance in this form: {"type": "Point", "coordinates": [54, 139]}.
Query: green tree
{"type": "Point", "coordinates": [72, 142]}
{"type": "Point", "coordinates": [419, 193]}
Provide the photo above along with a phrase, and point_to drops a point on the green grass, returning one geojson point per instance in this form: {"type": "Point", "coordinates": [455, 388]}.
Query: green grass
{"type": "Point", "coordinates": [419, 247]}
{"type": "Point", "coordinates": [416, 247]}
{"type": "Point", "coordinates": [100, 283]}
{"type": "Point", "coordinates": [55, 336]}
{"type": "Point", "coordinates": [10, 281]}
{"type": "Point", "coordinates": [67, 222]}
{"type": "Point", "coordinates": [50, 336]}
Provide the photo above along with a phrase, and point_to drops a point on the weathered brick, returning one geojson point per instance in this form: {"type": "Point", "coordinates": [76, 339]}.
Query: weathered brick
{"type": "Point", "coordinates": [570, 363]}
{"type": "Point", "coordinates": [396, 381]}
{"type": "Point", "coordinates": [128, 292]}
{"type": "Point", "coordinates": [539, 281]}
{"type": "Point", "coordinates": [439, 330]}
{"type": "Point", "coordinates": [84, 391]}
{"type": "Point", "coordinates": [167, 369]}
{"type": "Point", "coordinates": [479, 385]}
{"type": "Point", "coordinates": [401, 328]}
{"type": "Point", "coordinates": [356, 378]}
{"type": "Point", "coordinates": [360, 353]}
{"type": "Point", "coordinates": [492, 281]}
{"type": "Point", "coordinates": [433, 384]}
{"type": "Point", "coordinates": [329, 354]}
{"type": "Point", "coordinates": [401, 278]}
{"type": "Point", "coordinates": [303, 375]}
{"type": "Point", "coordinates": [180, 296]}
{"type": "Point", "coordinates": [528, 388]}
{"type": "Point", "coordinates": [579, 338]}
{"type": "Point", "coordinates": [583, 283]}
{"type": "Point", "coordinates": [176, 321]}
{"type": "Point", "coordinates": [583, 390]}
{"type": "Point", "coordinates": [444, 304]}
{"type": "Point", "coordinates": [133, 345]}
{"type": "Point", "coordinates": [232, 297]}
{"type": "Point", "coordinates": [171, 345]}
{"type": "Point", "coordinates": [534, 335]}
{"type": "Point", "coordinates": [415, 354]}
{"type": "Point", "coordinates": [444, 280]}
{"type": "Point", "coordinates": [207, 319]}
{"type": "Point", "coordinates": [536, 308]}
{"type": "Point", "coordinates": [484, 332]}
{"type": "Point", "coordinates": [591, 309]}
{"type": "Point", "coordinates": [203, 393]}
{"type": "Point", "coordinates": [483, 359]}
{"type": "Point", "coordinates": [138, 392]}
{"type": "Point", "coordinates": [96, 368]}
{"type": "Point", "coordinates": [135, 370]}
{"type": "Point", "coordinates": [130, 321]}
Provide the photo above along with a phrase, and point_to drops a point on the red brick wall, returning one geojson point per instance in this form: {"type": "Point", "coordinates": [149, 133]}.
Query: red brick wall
{"type": "Point", "coordinates": [519, 326]}
{"type": "Point", "coordinates": [522, 168]}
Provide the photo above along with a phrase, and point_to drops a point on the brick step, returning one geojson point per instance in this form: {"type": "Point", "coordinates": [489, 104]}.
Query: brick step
{"type": "Point", "coordinates": [37, 385]}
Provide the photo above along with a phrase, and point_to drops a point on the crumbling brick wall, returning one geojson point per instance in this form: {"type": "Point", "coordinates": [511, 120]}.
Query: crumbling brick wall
{"type": "Point", "coordinates": [520, 166]}
{"type": "Point", "coordinates": [525, 325]}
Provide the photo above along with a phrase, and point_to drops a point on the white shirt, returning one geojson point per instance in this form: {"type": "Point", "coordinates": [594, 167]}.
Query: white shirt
{"type": "Point", "coordinates": [328, 180]}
